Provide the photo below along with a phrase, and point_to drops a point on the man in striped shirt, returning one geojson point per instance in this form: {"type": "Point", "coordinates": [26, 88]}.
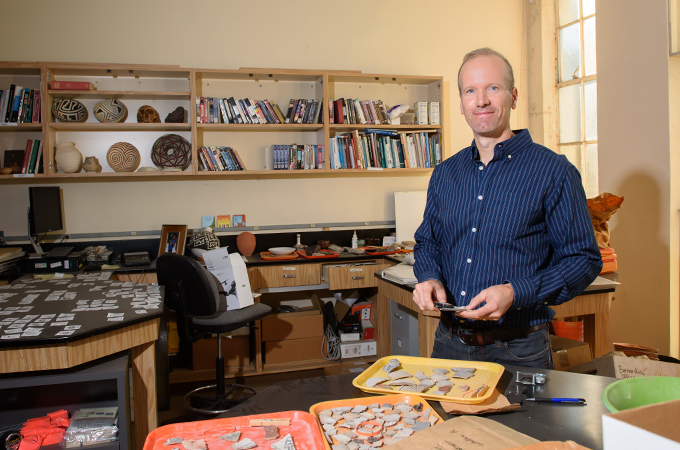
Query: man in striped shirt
{"type": "Point", "coordinates": [505, 233]}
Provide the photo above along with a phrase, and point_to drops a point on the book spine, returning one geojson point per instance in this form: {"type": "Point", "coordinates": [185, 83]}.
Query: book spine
{"type": "Point", "coordinates": [234, 152]}
{"type": "Point", "coordinates": [198, 109]}
{"type": "Point", "coordinates": [211, 110]}
{"type": "Point", "coordinates": [208, 158]}
{"type": "Point", "coordinates": [277, 110]}
{"type": "Point", "coordinates": [27, 155]}
{"type": "Point", "coordinates": [331, 111]}
{"type": "Point", "coordinates": [72, 86]}
{"type": "Point", "coordinates": [203, 166]}
{"type": "Point", "coordinates": [19, 99]}
{"type": "Point", "coordinates": [28, 114]}
{"type": "Point", "coordinates": [202, 111]}
{"type": "Point", "coordinates": [225, 159]}
{"type": "Point", "coordinates": [37, 104]}
{"type": "Point", "coordinates": [374, 113]}
{"type": "Point", "coordinates": [272, 111]}
{"type": "Point", "coordinates": [303, 108]}
{"type": "Point", "coordinates": [264, 113]}
{"type": "Point", "coordinates": [235, 111]}
{"type": "Point", "coordinates": [34, 156]}
{"type": "Point", "coordinates": [223, 111]}
{"type": "Point", "coordinates": [10, 103]}
{"type": "Point", "coordinates": [339, 118]}
{"type": "Point", "coordinates": [289, 114]}
{"type": "Point", "coordinates": [243, 111]}
{"type": "Point", "coordinates": [39, 163]}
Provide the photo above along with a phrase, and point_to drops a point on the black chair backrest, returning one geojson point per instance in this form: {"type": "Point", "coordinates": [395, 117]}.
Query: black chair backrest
{"type": "Point", "coordinates": [189, 288]}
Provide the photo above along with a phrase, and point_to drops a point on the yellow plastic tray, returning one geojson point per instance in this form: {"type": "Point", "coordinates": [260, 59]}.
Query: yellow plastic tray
{"type": "Point", "coordinates": [410, 397]}
{"type": "Point", "coordinates": [487, 373]}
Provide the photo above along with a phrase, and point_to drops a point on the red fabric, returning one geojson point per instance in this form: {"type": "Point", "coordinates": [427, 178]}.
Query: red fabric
{"type": "Point", "coordinates": [46, 430]}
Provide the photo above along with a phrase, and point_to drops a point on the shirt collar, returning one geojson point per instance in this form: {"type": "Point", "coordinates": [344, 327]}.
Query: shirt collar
{"type": "Point", "coordinates": [514, 145]}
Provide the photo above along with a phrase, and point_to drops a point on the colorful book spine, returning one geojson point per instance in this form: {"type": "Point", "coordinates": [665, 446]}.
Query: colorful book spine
{"type": "Point", "coordinates": [37, 104]}
{"type": "Point", "coordinates": [72, 86]}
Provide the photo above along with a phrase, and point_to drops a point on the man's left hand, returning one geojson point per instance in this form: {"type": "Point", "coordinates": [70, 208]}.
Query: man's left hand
{"type": "Point", "coordinates": [498, 300]}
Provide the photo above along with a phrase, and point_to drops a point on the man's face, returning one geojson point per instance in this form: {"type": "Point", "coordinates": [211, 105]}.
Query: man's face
{"type": "Point", "coordinates": [485, 100]}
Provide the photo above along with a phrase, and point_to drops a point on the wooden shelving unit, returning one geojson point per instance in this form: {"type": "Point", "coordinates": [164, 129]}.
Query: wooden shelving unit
{"type": "Point", "coordinates": [165, 87]}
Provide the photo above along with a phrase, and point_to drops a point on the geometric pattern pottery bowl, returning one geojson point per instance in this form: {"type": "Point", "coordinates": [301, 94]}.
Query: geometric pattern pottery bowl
{"type": "Point", "coordinates": [641, 391]}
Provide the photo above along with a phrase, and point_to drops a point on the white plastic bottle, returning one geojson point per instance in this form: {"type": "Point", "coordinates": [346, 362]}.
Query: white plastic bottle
{"type": "Point", "coordinates": [354, 239]}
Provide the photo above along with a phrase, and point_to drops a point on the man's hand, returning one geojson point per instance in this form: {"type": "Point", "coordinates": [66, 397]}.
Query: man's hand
{"type": "Point", "coordinates": [498, 300]}
{"type": "Point", "coordinates": [428, 292]}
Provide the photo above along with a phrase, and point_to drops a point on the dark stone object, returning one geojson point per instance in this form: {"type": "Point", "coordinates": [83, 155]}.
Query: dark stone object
{"type": "Point", "coordinates": [177, 116]}
{"type": "Point", "coordinates": [312, 249]}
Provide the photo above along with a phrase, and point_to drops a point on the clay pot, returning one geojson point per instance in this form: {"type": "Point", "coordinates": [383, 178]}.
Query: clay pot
{"type": "Point", "coordinates": [91, 164]}
{"type": "Point", "coordinates": [323, 244]}
{"type": "Point", "coordinates": [68, 157]}
{"type": "Point", "coordinates": [246, 243]}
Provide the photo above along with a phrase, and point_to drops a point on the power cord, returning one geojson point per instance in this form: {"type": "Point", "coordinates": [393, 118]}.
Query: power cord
{"type": "Point", "coordinates": [332, 345]}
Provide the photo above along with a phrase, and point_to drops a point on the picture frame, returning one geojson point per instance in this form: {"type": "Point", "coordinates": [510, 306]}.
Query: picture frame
{"type": "Point", "coordinates": [173, 239]}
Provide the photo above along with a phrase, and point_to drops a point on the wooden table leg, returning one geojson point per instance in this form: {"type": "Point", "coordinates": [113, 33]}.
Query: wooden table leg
{"type": "Point", "coordinates": [144, 391]}
{"type": "Point", "coordinates": [596, 333]}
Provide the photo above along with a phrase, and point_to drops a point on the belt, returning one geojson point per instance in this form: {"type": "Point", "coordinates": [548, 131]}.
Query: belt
{"type": "Point", "coordinates": [485, 337]}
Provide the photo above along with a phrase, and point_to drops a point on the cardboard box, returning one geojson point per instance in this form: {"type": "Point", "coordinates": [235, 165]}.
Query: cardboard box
{"type": "Point", "coordinates": [235, 351]}
{"type": "Point", "coordinates": [568, 353]}
{"type": "Point", "coordinates": [358, 349]}
{"type": "Point", "coordinates": [364, 309]}
{"type": "Point", "coordinates": [292, 325]}
{"type": "Point", "coordinates": [368, 329]}
{"type": "Point", "coordinates": [292, 350]}
{"type": "Point", "coordinates": [610, 365]}
{"type": "Point", "coordinates": [649, 427]}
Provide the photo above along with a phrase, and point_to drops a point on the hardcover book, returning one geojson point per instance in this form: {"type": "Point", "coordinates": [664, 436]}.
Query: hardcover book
{"type": "Point", "coordinates": [37, 103]}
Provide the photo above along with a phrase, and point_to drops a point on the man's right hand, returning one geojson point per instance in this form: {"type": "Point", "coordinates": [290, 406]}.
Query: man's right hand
{"type": "Point", "coordinates": [428, 292]}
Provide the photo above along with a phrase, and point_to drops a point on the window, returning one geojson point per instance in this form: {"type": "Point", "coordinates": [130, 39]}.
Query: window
{"type": "Point", "coordinates": [577, 88]}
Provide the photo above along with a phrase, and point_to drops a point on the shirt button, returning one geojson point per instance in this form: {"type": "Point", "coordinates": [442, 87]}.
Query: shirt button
{"type": "Point", "coordinates": [509, 156]}
{"type": "Point", "coordinates": [480, 197]}
{"type": "Point", "coordinates": [481, 167]}
{"type": "Point", "coordinates": [545, 303]}
{"type": "Point", "coordinates": [469, 260]}
{"type": "Point", "coordinates": [463, 293]}
{"type": "Point", "coordinates": [462, 320]}
{"type": "Point", "coordinates": [518, 309]}
{"type": "Point", "coordinates": [474, 230]}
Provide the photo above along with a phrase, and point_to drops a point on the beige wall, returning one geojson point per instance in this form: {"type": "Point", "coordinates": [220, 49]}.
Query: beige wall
{"type": "Point", "coordinates": [402, 37]}
{"type": "Point", "coordinates": [674, 110]}
{"type": "Point", "coordinates": [635, 162]}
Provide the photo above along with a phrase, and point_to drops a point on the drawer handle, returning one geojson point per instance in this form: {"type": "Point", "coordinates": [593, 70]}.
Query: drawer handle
{"type": "Point", "coordinates": [398, 316]}
{"type": "Point", "coordinates": [289, 276]}
{"type": "Point", "coordinates": [358, 278]}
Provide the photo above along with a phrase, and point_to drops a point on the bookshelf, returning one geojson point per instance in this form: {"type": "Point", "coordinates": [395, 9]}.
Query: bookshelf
{"type": "Point", "coordinates": [165, 87]}
{"type": "Point", "coordinates": [14, 136]}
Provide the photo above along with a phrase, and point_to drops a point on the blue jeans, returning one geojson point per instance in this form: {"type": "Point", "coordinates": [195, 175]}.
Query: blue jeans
{"type": "Point", "coordinates": [533, 350]}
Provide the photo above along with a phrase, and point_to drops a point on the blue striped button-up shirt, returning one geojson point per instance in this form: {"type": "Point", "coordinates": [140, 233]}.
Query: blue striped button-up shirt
{"type": "Point", "coordinates": [522, 219]}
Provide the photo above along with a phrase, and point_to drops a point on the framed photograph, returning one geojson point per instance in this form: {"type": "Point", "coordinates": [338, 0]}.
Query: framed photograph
{"type": "Point", "coordinates": [173, 238]}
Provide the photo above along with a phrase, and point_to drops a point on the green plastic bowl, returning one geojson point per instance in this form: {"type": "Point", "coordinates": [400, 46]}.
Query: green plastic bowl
{"type": "Point", "coordinates": [635, 392]}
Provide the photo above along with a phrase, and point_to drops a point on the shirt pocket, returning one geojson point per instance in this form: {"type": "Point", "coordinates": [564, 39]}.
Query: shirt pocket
{"type": "Point", "coordinates": [507, 214]}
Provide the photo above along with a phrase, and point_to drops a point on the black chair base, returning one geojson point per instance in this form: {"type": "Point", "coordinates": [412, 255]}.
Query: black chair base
{"type": "Point", "coordinates": [216, 404]}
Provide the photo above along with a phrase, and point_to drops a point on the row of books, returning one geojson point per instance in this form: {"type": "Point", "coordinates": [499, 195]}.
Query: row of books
{"type": "Point", "coordinates": [249, 111]}
{"type": "Point", "coordinates": [219, 159]}
{"type": "Point", "coordinates": [386, 149]}
{"type": "Point", "coordinates": [294, 156]}
{"type": "Point", "coordinates": [33, 161]}
{"type": "Point", "coordinates": [20, 105]}
{"type": "Point", "coordinates": [358, 112]}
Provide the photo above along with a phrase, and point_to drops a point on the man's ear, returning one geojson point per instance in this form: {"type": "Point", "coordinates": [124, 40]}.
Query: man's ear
{"type": "Point", "coordinates": [514, 94]}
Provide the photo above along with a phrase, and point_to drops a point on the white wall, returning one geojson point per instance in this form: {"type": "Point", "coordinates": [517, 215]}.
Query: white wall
{"type": "Point", "coordinates": [634, 146]}
{"type": "Point", "coordinates": [401, 37]}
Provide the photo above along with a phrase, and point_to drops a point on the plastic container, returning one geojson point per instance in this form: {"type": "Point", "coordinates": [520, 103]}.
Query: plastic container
{"type": "Point", "coordinates": [355, 240]}
{"type": "Point", "coordinates": [569, 330]}
{"type": "Point", "coordinates": [641, 391]}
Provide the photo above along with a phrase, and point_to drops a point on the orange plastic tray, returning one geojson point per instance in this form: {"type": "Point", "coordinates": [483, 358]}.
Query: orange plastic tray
{"type": "Point", "coordinates": [412, 399]}
{"type": "Point", "coordinates": [303, 429]}
{"type": "Point", "coordinates": [329, 254]}
{"type": "Point", "coordinates": [269, 256]}
{"type": "Point", "coordinates": [377, 251]}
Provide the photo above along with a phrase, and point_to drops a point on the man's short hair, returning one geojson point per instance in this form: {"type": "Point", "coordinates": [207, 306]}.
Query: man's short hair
{"type": "Point", "coordinates": [486, 51]}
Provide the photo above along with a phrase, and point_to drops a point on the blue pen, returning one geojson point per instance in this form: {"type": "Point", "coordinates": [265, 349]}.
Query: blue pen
{"type": "Point", "coordinates": [571, 401]}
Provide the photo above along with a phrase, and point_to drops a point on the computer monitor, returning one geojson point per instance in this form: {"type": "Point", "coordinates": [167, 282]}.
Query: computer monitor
{"type": "Point", "coordinates": [44, 213]}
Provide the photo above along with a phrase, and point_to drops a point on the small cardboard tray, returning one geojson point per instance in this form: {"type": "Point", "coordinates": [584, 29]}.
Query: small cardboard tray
{"type": "Point", "coordinates": [486, 373]}
{"type": "Point", "coordinates": [328, 254]}
{"type": "Point", "coordinates": [410, 398]}
{"type": "Point", "coordinates": [269, 256]}
{"type": "Point", "coordinates": [303, 429]}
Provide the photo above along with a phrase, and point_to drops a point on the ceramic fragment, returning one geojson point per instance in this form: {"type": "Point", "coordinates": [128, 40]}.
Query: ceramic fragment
{"type": "Point", "coordinates": [377, 444]}
{"type": "Point", "coordinates": [402, 382]}
{"type": "Point", "coordinates": [342, 438]}
{"type": "Point", "coordinates": [368, 415]}
{"type": "Point", "coordinates": [390, 423]}
{"type": "Point", "coordinates": [421, 376]}
{"type": "Point", "coordinates": [410, 388]}
{"type": "Point", "coordinates": [350, 416]}
{"type": "Point", "coordinates": [373, 405]}
{"type": "Point", "coordinates": [440, 371]}
{"type": "Point", "coordinates": [359, 409]}
{"type": "Point", "coordinates": [284, 444]}
{"type": "Point", "coordinates": [390, 433]}
{"type": "Point", "coordinates": [271, 432]}
{"type": "Point", "coordinates": [438, 392]}
{"type": "Point", "coordinates": [327, 419]}
{"type": "Point", "coordinates": [198, 444]}
{"type": "Point", "coordinates": [350, 434]}
{"type": "Point", "coordinates": [401, 434]}
{"type": "Point", "coordinates": [391, 365]}
{"type": "Point", "coordinates": [232, 437]}
{"type": "Point", "coordinates": [352, 446]}
{"type": "Point", "coordinates": [175, 440]}
{"type": "Point", "coordinates": [418, 407]}
{"type": "Point", "coordinates": [326, 412]}
{"type": "Point", "coordinates": [437, 377]}
{"type": "Point", "coordinates": [427, 412]}
{"type": "Point", "coordinates": [464, 369]}
{"type": "Point", "coordinates": [464, 387]}
{"type": "Point", "coordinates": [244, 444]}
{"type": "Point", "coordinates": [392, 417]}
{"type": "Point", "coordinates": [339, 447]}
{"type": "Point", "coordinates": [404, 408]}
{"type": "Point", "coordinates": [341, 410]}
{"type": "Point", "coordinates": [443, 383]}
{"type": "Point", "coordinates": [399, 374]}
{"type": "Point", "coordinates": [387, 406]}
{"type": "Point", "coordinates": [446, 389]}
{"type": "Point", "coordinates": [433, 419]}
{"type": "Point", "coordinates": [330, 428]}
{"type": "Point", "coordinates": [427, 383]}
{"type": "Point", "coordinates": [411, 415]}
{"type": "Point", "coordinates": [420, 426]}
{"type": "Point", "coordinates": [401, 426]}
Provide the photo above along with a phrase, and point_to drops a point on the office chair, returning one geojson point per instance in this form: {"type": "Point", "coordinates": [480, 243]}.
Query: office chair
{"type": "Point", "coordinates": [201, 306]}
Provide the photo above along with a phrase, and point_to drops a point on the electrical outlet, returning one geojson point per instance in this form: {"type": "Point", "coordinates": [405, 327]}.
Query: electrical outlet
{"type": "Point", "coordinates": [256, 228]}
{"type": "Point", "coordinates": [365, 223]}
{"type": "Point", "coordinates": [313, 225]}
{"type": "Point", "coordinates": [133, 233]}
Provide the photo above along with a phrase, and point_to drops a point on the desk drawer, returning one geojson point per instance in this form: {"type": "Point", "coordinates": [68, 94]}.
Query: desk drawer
{"type": "Point", "coordinates": [353, 276]}
{"type": "Point", "coordinates": [289, 275]}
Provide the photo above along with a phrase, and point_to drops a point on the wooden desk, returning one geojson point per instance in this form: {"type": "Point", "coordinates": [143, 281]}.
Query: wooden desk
{"type": "Point", "coordinates": [96, 338]}
{"type": "Point", "coordinates": [593, 305]}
